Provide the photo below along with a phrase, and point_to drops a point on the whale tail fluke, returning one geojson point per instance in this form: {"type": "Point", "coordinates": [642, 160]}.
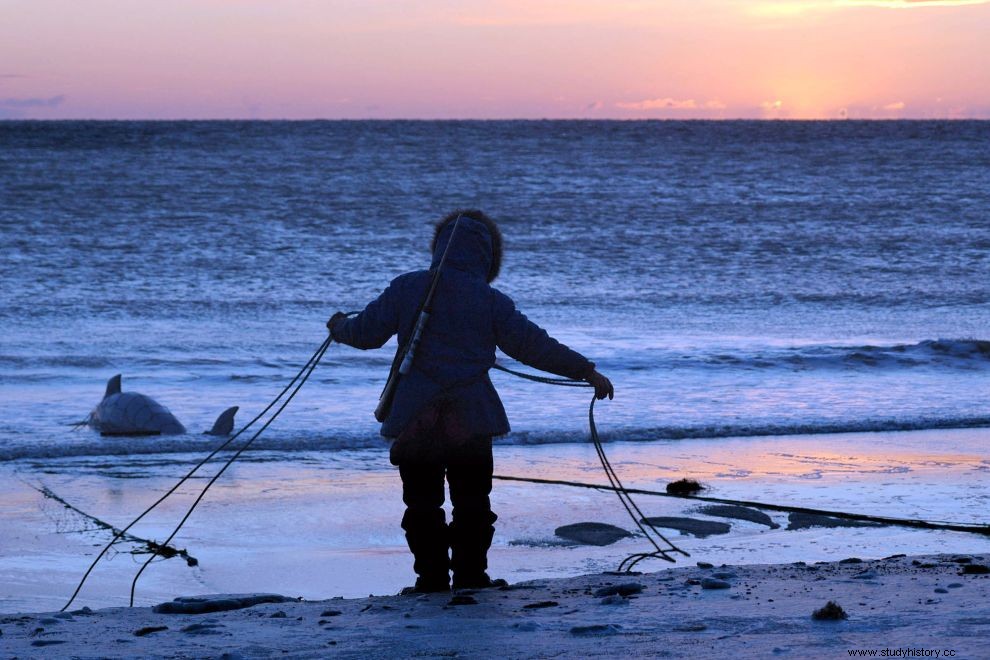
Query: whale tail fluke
{"type": "Point", "coordinates": [225, 422]}
{"type": "Point", "coordinates": [113, 386]}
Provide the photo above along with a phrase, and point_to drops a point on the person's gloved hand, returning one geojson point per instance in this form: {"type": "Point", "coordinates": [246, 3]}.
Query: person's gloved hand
{"type": "Point", "coordinates": [603, 386]}
{"type": "Point", "coordinates": [334, 320]}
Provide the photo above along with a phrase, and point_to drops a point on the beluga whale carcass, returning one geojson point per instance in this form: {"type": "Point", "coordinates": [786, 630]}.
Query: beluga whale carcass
{"type": "Point", "coordinates": [131, 413]}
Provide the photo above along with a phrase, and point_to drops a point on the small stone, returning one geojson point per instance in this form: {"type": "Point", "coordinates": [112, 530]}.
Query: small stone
{"type": "Point", "coordinates": [690, 627]}
{"type": "Point", "coordinates": [277, 615]}
{"type": "Point", "coordinates": [331, 613]}
{"type": "Point", "coordinates": [975, 569]}
{"type": "Point", "coordinates": [614, 599]}
{"type": "Point", "coordinates": [692, 581]}
{"type": "Point", "coordinates": [851, 560]}
{"type": "Point", "coordinates": [47, 642]}
{"type": "Point", "coordinates": [941, 590]}
{"type": "Point", "coordinates": [714, 583]}
{"type": "Point", "coordinates": [705, 564]}
{"type": "Point", "coordinates": [202, 629]}
{"type": "Point", "coordinates": [540, 605]}
{"type": "Point", "coordinates": [831, 612]}
{"type": "Point", "coordinates": [526, 626]}
{"type": "Point", "coordinates": [955, 585]}
{"type": "Point", "coordinates": [684, 487]}
{"type": "Point", "coordinates": [962, 560]}
{"type": "Point", "coordinates": [462, 599]}
{"type": "Point", "coordinates": [625, 589]}
{"type": "Point", "coordinates": [147, 630]}
{"type": "Point", "coordinates": [865, 575]}
{"type": "Point", "coordinates": [596, 630]}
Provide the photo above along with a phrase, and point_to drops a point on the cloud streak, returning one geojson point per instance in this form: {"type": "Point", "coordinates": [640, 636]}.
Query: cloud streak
{"type": "Point", "coordinates": [52, 102]}
{"type": "Point", "coordinates": [668, 103]}
{"type": "Point", "coordinates": [796, 7]}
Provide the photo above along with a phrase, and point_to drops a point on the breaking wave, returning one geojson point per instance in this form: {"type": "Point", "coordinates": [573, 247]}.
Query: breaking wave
{"type": "Point", "coordinates": [323, 442]}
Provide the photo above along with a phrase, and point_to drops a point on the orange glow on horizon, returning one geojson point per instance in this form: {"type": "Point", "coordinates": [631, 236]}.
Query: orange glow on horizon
{"type": "Point", "coordinates": [720, 59]}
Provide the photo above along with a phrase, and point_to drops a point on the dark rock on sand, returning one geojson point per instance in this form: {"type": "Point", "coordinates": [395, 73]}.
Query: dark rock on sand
{"type": "Point", "coordinates": [705, 564]}
{"type": "Point", "coordinates": [975, 569]}
{"type": "Point", "coordinates": [807, 520]}
{"type": "Point", "coordinates": [462, 599]}
{"type": "Point", "coordinates": [693, 526]}
{"type": "Point", "coordinates": [684, 487]}
{"type": "Point", "coordinates": [714, 583]}
{"type": "Point", "coordinates": [738, 513]}
{"type": "Point", "coordinates": [690, 627]}
{"type": "Point", "coordinates": [47, 642]}
{"type": "Point", "coordinates": [831, 612]}
{"type": "Point", "coordinates": [851, 560]}
{"type": "Point", "coordinates": [147, 630]}
{"type": "Point", "coordinates": [331, 613]}
{"type": "Point", "coordinates": [596, 630]}
{"type": "Point", "coordinates": [216, 603]}
{"type": "Point", "coordinates": [540, 605]}
{"type": "Point", "coordinates": [203, 629]}
{"type": "Point", "coordinates": [627, 589]}
{"type": "Point", "coordinates": [592, 533]}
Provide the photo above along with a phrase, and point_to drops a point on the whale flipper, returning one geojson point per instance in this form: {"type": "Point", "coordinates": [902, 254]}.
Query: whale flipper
{"type": "Point", "coordinates": [225, 422]}
{"type": "Point", "coordinates": [113, 386]}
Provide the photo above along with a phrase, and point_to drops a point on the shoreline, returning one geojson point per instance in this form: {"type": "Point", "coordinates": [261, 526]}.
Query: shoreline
{"type": "Point", "coordinates": [927, 603]}
{"type": "Point", "coordinates": [317, 523]}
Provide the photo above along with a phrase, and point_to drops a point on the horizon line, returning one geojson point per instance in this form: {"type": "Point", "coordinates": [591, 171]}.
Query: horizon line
{"type": "Point", "coordinates": [499, 119]}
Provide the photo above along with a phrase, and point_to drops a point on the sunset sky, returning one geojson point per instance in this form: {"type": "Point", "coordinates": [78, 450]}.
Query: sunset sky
{"type": "Point", "coordinates": [301, 59]}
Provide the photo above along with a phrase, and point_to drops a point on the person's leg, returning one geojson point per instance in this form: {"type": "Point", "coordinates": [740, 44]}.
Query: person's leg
{"type": "Point", "coordinates": [425, 523]}
{"type": "Point", "coordinates": [469, 473]}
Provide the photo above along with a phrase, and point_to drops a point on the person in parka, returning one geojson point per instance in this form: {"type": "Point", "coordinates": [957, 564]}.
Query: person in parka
{"type": "Point", "coordinates": [445, 410]}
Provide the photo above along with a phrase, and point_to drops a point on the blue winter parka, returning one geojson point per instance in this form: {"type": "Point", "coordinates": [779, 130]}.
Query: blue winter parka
{"type": "Point", "coordinates": [469, 319]}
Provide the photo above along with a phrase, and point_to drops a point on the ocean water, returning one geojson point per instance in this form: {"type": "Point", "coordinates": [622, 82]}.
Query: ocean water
{"type": "Point", "coordinates": [747, 286]}
{"type": "Point", "coordinates": [733, 278]}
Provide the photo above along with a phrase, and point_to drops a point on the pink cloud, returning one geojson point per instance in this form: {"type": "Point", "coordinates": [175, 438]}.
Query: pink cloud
{"type": "Point", "coordinates": [668, 103]}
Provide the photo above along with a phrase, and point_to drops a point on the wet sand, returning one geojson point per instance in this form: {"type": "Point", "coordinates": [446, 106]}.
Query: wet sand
{"type": "Point", "coordinates": [932, 604]}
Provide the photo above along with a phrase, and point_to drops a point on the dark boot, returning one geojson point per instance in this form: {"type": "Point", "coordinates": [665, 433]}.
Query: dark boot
{"type": "Point", "coordinates": [482, 581]}
{"type": "Point", "coordinates": [427, 536]}
{"type": "Point", "coordinates": [471, 532]}
{"type": "Point", "coordinates": [426, 524]}
{"type": "Point", "coordinates": [470, 538]}
{"type": "Point", "coordinates": [426, 587]}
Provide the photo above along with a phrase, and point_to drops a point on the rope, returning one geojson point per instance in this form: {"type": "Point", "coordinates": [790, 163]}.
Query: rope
{"type": "Point", "coordinates": [652, 534]}
{"type": "Point", "coordinates": [310, 365]}
{"type": "Point", "coordinates": [899, 522]}
{"type": "Point", "coordinates": [309, 370]}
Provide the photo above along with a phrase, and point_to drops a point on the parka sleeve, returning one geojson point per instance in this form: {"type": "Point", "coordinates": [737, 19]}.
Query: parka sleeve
{"type": "Point", "coordinates": [523, 340]}
{"type": "Point", "coordinates": [375, 324]}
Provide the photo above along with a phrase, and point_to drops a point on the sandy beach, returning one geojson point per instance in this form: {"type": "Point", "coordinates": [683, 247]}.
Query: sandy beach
{"type": "Point", "coordinates": [923, 606]}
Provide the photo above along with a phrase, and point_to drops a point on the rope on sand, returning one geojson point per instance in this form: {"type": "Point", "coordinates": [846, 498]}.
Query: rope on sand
{"type": "Point", "coordinates": [844, 515]}
{"type": "Point", "coordinates": [652, 534]}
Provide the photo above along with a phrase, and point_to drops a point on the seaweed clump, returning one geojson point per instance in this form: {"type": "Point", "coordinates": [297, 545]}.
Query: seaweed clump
{"type": "Point", "coordinates": [831, 612]}
{"type": "Point", "coordinates": [684, 487]}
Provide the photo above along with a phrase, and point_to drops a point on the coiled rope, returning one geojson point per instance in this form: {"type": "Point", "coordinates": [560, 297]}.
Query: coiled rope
{"type": "Point", "coordinates": [652, 534]}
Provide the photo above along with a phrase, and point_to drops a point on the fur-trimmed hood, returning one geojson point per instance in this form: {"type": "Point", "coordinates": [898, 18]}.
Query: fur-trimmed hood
{"type": "Point", "coordinates": [477, 247]}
